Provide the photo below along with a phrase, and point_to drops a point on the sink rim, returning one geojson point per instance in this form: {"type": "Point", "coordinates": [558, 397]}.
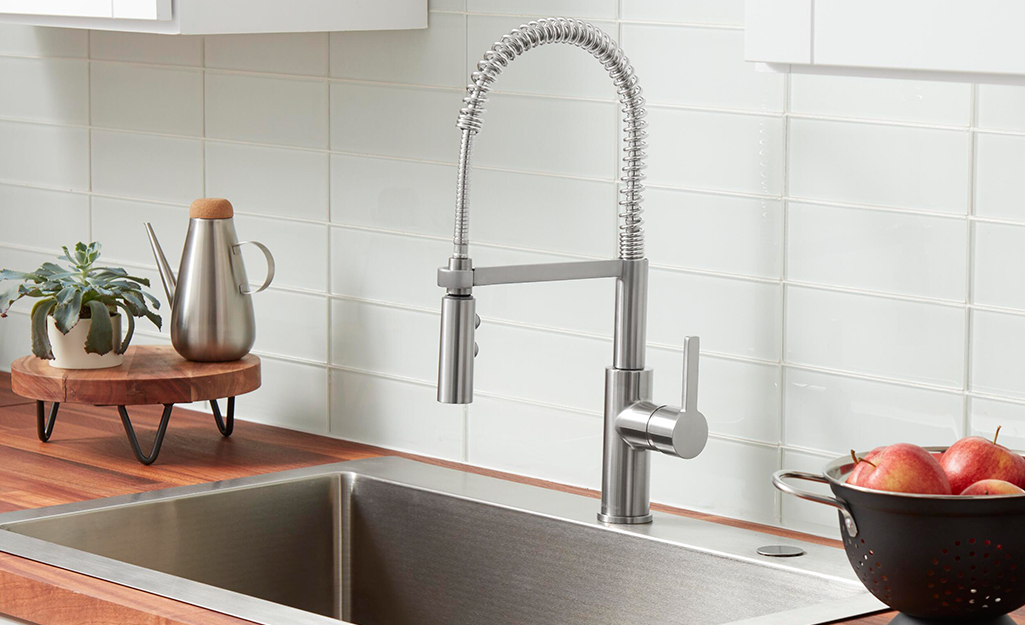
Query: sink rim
{"type": "Point", "coordinates": [681, 531]}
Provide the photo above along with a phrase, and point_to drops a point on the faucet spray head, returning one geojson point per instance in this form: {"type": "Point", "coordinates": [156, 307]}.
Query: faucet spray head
{"type": "Point", "coordinates": [455, 361]}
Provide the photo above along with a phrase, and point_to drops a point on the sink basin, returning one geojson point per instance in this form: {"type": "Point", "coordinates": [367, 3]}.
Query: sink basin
{"type": "Point", "coordinates": [393, 541]}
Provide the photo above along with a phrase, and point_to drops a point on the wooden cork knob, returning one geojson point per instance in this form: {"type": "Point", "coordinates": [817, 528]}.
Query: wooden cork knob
{"type": "Point", "coordinates": [211, 208]}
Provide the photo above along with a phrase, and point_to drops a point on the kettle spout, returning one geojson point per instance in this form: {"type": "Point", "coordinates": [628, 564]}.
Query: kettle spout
{"type": "Point", "coordinates": [166, 275]}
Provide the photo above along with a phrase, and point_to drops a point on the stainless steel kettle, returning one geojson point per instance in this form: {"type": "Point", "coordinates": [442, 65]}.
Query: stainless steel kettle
{"type": "Point", "coordinates": [211, 304]}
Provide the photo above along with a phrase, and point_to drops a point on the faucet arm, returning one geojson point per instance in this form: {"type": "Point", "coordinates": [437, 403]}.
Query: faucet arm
{"type": "Point", "coordinates": [466, 278]}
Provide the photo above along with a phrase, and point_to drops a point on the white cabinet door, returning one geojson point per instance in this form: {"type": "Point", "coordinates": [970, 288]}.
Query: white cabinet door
{"type": "Point", "coordinates": [142, 9]}
{"type": "Point", "coordinates": [73, 8]}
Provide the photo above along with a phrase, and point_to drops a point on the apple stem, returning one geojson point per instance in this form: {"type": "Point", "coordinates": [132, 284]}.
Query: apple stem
{"type": "Point", "coordinates": [856, 459]}
{"type": "Point", "coordinates": [997, 434]}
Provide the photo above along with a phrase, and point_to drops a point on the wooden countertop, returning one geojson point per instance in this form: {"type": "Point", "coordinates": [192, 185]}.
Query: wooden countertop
{"type": "Point", "coordinates": [89, 458]}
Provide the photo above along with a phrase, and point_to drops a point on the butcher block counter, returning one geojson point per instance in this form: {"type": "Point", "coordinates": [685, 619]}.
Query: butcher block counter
{"type": "Point", "coordinates": [90, 462]}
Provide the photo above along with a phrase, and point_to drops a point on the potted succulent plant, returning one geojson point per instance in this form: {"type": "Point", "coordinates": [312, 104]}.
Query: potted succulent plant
{"type": "Point", "coordinates": [75, 323]}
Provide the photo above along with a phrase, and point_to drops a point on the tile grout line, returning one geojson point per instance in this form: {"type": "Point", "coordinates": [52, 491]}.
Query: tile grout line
{"type": "Point", "coordinates": [330, 253]}
{"type": "Point", "coordinates": [784, 293]}
{"type": "Point", "coordinates": [966, 401]}
{"type": "Point", "coordinates": [89, 131]}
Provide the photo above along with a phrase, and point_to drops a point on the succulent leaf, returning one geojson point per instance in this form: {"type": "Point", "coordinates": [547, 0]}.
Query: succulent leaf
{"type": "Point", "coordinates": [100, 339]}
{"type": "Point", "coordinates": [66, 315]}
{"type": "Point", "coordinates": [40, 341]}
{"type": "Point", "coordinates": [123, 347]}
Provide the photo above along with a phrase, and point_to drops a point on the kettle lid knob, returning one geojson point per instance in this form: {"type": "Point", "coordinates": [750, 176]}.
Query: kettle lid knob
{"type": "Point", "coordinates": [211, 208]}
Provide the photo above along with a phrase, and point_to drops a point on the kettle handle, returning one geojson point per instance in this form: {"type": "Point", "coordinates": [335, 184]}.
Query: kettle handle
{"type": "Point", "coordinates": [270, 267]}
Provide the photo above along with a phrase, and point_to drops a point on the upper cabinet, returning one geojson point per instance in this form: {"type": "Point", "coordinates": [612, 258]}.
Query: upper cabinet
{"type": "Point", "coordinates": [964, 40]}
{"type": "Point", "coordinates": [209, 17]}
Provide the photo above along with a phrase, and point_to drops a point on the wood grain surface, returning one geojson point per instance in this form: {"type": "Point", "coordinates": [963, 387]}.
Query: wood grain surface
{"type": "Point", "coordinates": [86, 459]}
{"type": "Point", "coordinates": [150, 374]}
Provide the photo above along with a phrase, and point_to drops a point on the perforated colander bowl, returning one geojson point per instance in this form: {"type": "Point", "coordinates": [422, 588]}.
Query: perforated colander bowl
{"type": "Point", "coordinates": [928, 556]}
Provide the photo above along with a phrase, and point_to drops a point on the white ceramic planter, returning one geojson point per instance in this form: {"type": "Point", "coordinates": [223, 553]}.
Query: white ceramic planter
{"type": "Point", "coordinates": [69, 349]}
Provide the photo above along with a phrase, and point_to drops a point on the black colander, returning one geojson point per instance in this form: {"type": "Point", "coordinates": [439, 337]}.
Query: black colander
{"type": "Point", "coordinates": [958, 559]}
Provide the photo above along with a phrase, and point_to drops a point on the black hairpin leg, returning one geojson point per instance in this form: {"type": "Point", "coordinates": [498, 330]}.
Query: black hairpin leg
{"type": "Point", "coordinates": [161, 430]}
{"type": "Point", "coordinates": [225, 427]}
{"type": "Point", "coordinates": [44, 427]}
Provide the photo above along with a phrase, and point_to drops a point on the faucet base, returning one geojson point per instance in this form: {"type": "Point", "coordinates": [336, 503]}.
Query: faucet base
{"type": "Point", "coordinates": [611, 519]}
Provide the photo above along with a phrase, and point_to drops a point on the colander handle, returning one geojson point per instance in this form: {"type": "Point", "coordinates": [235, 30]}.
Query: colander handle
{"type": "Point", "coordinates": [777, 481]}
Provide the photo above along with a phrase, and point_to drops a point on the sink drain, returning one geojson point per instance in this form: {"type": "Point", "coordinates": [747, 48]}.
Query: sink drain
{"type": "Point", "coordinates": [780, 551]}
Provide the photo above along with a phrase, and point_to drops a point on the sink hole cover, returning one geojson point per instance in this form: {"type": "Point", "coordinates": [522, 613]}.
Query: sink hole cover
{"type": "Point", "coordinates": [780, 551]}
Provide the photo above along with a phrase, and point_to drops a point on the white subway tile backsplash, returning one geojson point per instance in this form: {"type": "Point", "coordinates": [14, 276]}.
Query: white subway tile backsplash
{"type": "Point", "coordinates": [999, 266]}
{"type": "Point", "coordinates": [48, 156]}
{"type": "Point", "coordinates": [1001, 107]}
{"type": "Point", "coordinates": [299, 249]}
{"type": "Point", "coordinates": [877, 250]}
{"type": "Point", "coordinates": [280, 182]}
{"type": "Point", "coordinates": [691, 12]}
{"type": "Point", "coordinates": [700, 67]}
{"type": "Point", "coordinates": [718, 151]}
{"type": "Point", "coordinates": [541, 8]}
{"type": "Point", "coordinates": [999, 161]}
{"type": "Point", "coordinates": [897, 166]}
{"type": "Point", "coordinates": [431, 56]}
{"type": "Point", "coordinates": [420, 122]}
{"type": "Point", "coordinates": [266, 109]}
{"type": "Point", "coordinates": [375, 410]}
{"type": "Point", "coordinates": [502, 434]}
{"type": "Point", "coordinates": [997, 343]}
{"type": "Point", "coordinates": [43, 41]}
{"type": "Point", "coordinates": [47, 90]}
{"type": "Point", "coordinates": [147, 167]}
{"type": "Point", "coordinates": [291, 324]}
{"type": "Point", "coordinates": [988, 414]}
{"type": "Point", "coordinates": [808, 516]}
{"type": "Point", "coordinates": [719, 233]}
{"type": "Point", "coordinates": [118, 225]}
{"type": "Point", "coordinates": [280, 53]}
{"type": "Point", "coordinates": [877, 336]}
{"type": "Point", "coordinates": [947, 103]}
{"type": "Point", "coordinates": [384, 339]}
{"type": "Point", "coordinates": [291, 395]}
{"type": "Point", "coordinates": [153, 99]}
{"type": "Point", "coordinates": [146, 48]}
{"type": "Point", "coordinates": [24, 260]}
{"type": "Point", "coordinates": [66, 216]}
{"type": "Point", "coordinates": [835, 413]}
{"type": "Point", "coordinates": [387, 268]}
{"type": "Point", "coordinates": [15, 338]}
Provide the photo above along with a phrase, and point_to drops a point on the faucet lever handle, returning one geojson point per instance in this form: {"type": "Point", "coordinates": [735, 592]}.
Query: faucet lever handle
{"type": "Point", "coordinates": [691, 355]}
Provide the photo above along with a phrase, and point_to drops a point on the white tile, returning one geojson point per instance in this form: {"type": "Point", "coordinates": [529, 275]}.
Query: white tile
{"type": "Point", "coordinates": [502, 435]}
{"type": "Point", "coordinates": [426, 56]}
{"type": "Point", "coordinates": [404, 196]}
{"type": "Point", "coordinates": [541, 8]}
{"type": "Point", "coordinates": [154, 99]}
{"type": "Point", "coordinates": [903, 340]}
{"type": "Point", "coordinates": [263, 109]}
{"type": "Point", "coordinates": [15, 339]}
{"type": "Point", "coordinates": [690, 12]}
{"type": "Point", "coordinates": [999, 265]}
{"type": "Point", "coordinates": [548, 70]}
{"type": "Point", "coordinates": [877, 250]}
{"type": "Point", "coordinates": [49, 90]}
{"type": "Point", "coordinates": [420, 122]}
{"type": "Point", "coordinates": [292, 395]}
{"type": "Point", "coordinates": [374, 410]}
{"type": "Point", "coordinates": [988, 414]}
{"type": "Point", "coordinates": [65, 215]}
{"type": "Point", "coordinates": [1001, 107]}
{"type": "Point", "coordinates": [146, 48]}
{"type": "Point", "coordinates": [714, 232]}
{"type": "Point", "coordinates": [579, 137]}
{"type": "Point", "coordinates": [719, 151]}
{"type": "Point", "coordinates": [807, 516]}
{"type": "Point", "coordinates": [299, 249]}
{"type": "Point", "coordinates": [147, 167]}
{"type": "Point", "coordinates": [728, 479]}
{"type": "Point", "coordinates": [279, 53]}
{"type": "Point", "coordinates": [446, 5]}
{"type": "Point", "coordinates": [269, 181]}
{"type": "Point", "coordinates": [997, 342]}
{"type": "Point", "coordinates": [735, 317]}
{"type": "Point", "coordinates": [920, 101]}
{"type": "Point", "coordinates": [384, 339]}
{"type": "Point", "coordinates": [836, 413]}
{"type": "Point", "coordinates": [53, 156]}
{"type": "Point", "coordinates": [998, 161]}
{"type": "Point", "coordinates": [387, 268]}
{"type": "Point", "coordinates": [897, 166]}
{"type": "Point", "coordinates": [43, 41]}
{"type": "Point", "coordinates": [699, 67]}
{"type": "Point", "coordinates": [291, 324]}
{"type": "Point", "coordinates": [24, 260]}
{"type": "Point", "coordinates": [739, 399]}
{"type": "Point", "coordinates": [118, 224]}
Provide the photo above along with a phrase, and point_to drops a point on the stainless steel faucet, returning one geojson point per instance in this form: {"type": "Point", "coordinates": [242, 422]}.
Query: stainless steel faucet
{"type": "Point", "coordinates": [634, 424]}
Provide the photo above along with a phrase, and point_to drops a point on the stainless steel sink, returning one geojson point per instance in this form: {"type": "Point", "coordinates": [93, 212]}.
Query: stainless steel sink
{"type": "Point", "coordinates": [392, 541]}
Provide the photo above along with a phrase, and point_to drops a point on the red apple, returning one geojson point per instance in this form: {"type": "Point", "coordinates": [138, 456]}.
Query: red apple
{"type": "Point", "coordinates": [860, 464]}
{"type": "Point", "coordinates": [975, 458]}
{"type": "Point", "coordinates": [904, 468]}
{"type": "Point", "coordinates": [992, 487]}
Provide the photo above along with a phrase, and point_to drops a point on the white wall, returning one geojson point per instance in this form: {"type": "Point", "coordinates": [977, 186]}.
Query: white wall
{"type": "Point", "coordinates": [850, 251]}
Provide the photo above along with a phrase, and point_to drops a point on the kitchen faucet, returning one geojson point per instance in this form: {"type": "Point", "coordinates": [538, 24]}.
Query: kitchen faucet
{"type": "Point", "coordinates": [634, 424]}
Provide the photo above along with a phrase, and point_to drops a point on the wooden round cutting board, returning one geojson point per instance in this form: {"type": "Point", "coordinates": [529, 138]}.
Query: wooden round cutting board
{"type": "Point", "coordinates": [150, 374]}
